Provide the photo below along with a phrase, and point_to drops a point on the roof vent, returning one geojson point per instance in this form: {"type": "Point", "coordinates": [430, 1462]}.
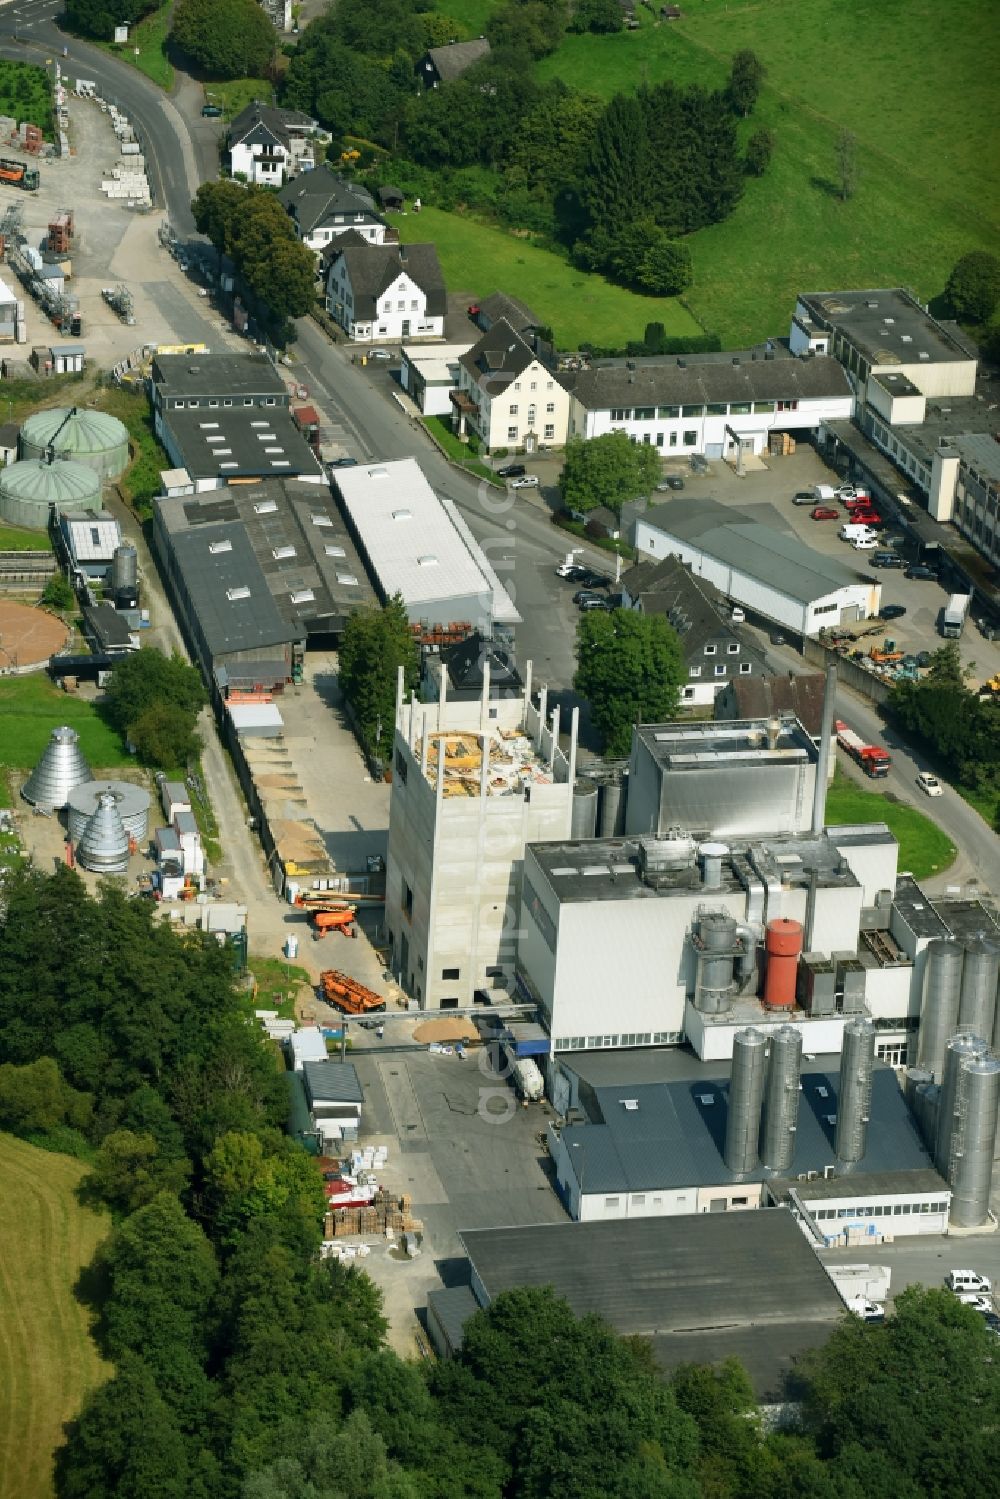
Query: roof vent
{"type": "Point", "coordinates": [402, 515]}
{"type": "Point", "coordinates": [427, 560]}
{"type": "Point", "coordinates": [281, 554]}
{"type": "Point", "coordinates": [265, 507]}
{"type": "Point", "coordinates": [334, 551]}
{"type": "Point", "coordinates": [631, 1105]}
{"type": "Point", "coordinates": [321, 520]}
{"type": "Point", "coordinates": [303, 596]}
{"type": "Point", "coordinates": [235, 594]}
{"type": "Point", "coordinates": [215, 547]}
{"type": "Point", "coordinates": [706, 1098]}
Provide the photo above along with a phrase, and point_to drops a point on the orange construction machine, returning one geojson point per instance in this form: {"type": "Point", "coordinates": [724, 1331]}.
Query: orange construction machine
{"type": "Point", "coordinates": [347, 994]}
{"type": "Point", "coordinates": [340, 920]}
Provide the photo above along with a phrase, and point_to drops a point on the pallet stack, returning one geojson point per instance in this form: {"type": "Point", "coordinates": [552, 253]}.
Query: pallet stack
{"type": "Point", "coordinates": [780, 445]}
{"type": "Point", "coordinates": [386, 1212]}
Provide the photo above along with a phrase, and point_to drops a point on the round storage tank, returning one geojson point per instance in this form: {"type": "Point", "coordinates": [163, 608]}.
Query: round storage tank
{"type": "Point", "coordinates": [131, 801]}
{"type": "Point", "coordinates": [98, 441]}
{"type": "Point", "coordinates": [28, 489]}
{"type": "Point", "coordinates": [782, 944]}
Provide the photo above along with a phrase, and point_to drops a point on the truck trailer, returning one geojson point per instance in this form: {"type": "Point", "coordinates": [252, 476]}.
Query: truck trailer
{"type": "Point", "coordinates": [954, 615]}
{"type": "Point", "coordinates": [874, 761]}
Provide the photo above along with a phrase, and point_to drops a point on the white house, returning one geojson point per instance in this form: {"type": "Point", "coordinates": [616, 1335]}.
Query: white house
{"type": "Point", "coordinates": [266, 145]}
{"type": "Point", "coordinates": [430, 375]}
{"type": "Point", "coordinates": [763, 568]}
{"type": "Point", "coordinates": [323, 206]}
{"type": "Point", "coordinates": [716, 405]}
{"type": "Point", "coordinates": [507, 396]}
{"type": "Point", "coordinates": [387, 292]}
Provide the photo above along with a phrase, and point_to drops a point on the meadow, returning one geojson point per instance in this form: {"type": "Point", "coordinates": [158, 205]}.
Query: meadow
{"type": "Point", "coordinates": [923, 848]}
{"type": "Point", "coordinates": [30, 707]}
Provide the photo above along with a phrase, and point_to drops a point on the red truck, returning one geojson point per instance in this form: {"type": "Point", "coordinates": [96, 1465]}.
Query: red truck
{"type": "Point", "coordinates": [873, 760]}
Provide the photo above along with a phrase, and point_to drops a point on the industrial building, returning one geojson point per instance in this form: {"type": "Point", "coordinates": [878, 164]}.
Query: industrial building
{"type": "Point", "coordinates": [830, 1137]}
{"type": "Point", "coordinates": [90, 539]}
{"type": "Point", "coordinates": [415, 543]}
{"type": "Point", "coordinates": [86, 436]}
{"type": "Point", "coordinates": [215, 448]}
{"type": "Point", "coordinates": [33, 487]}
{"type": "Point", "coordinates": [762, 695]}
{"type": "Point", "coordinates": [215, 382]}
{"type": "Point", "coordinates": [473, 784]}
{"type": "Point", "coordinates": [258, 574]}
{"type": "Point", "coordinates": [335, 1099]}
{"type": "Point", "coordinates": [755, 561]}
{"type": "Point", "coordinates": [699, 1290]}
{"type": "Point", "coordinates": [60, 770]}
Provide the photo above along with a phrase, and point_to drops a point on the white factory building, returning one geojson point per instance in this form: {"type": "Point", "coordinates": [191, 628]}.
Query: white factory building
{"type": "Point", "coordinates": [473, 783]}
{"type": "Point", "coordinates": [755, 561]}
{"type": "Point", "coordinates": [415, 543]}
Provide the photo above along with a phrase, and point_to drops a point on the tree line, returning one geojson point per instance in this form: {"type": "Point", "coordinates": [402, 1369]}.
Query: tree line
{"type": "Point", "coordinates": [276, 271]}
{"type": "Point", "coordinates": [958, 727]}
{"type": "Point", "coordinates": [244, 1367]}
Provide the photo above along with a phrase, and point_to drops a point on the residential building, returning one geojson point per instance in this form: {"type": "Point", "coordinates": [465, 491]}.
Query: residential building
{"type": "Point", "coordinates": [429, 375]}
{"type": "Point", "coordinates": [442, 64]}
{"type": "Point", "coordinates": [415, 543]}
{"type": "Point", "coordinates": [511, 309]}
{"type": "Point", "coordinates": [266, 144]}
{"type": "Point", "coordinates": [387, 291]}
{"type": "Point", "coordinates": [507, 397]}
{"type": "Point", "coordinates": [755, 560]}
{"type": "Point", "coordinates": [324, 206]}
{"type": "Point", "coordinates": [473, 784]}
{"type": "Point", "coordinates": [716, 405]}
{"type": "Point", "coordinates": [90, 539]}
{"type": "Point", "coordinates": [279, 13]}
{"type": "Point", "coordinates": [717, 652]}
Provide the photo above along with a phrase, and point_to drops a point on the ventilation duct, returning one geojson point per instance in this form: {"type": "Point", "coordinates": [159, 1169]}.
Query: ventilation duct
{"type": "Point", "coordinates": [746, 1093]}
{"type": "Point", "coordinates": [712, 855]}
{"type": "Point", "coordinates": [61, 768]}
{"type": "Point", "coordinates": [781, 1099]}
{"type": "Point", "coordinates": [715, 945]}
{"type": "Point", "coordinates": [825, 741]}
{"type": "Point", "coordinates": [857, 1064]}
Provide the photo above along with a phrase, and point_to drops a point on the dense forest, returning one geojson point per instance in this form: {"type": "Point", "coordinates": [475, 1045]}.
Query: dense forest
{"type": "Point", "coordinates": [245, 1366]}
{"type": "Point", "coordinates": [614, 184]}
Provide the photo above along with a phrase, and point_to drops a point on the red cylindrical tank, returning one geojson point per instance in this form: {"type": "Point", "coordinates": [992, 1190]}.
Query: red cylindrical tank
{"type": "Point", "coordinates": [782, 944]}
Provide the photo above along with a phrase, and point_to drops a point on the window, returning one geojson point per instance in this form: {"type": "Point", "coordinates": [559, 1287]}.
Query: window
{"type": "Point", "coordinates": [716, 408]}
{"type": "Point", "coordinates": [739, 408]}
{"type": "Point", "coordinates": [512, 434]}
{"type": "Point", "coordinates": [788, 405]}
{"type": "Point", "coordinates": [647, 438]}
{"type": "Point", "coordinates": [450, 973]}
{"type": "Point", "coordinates": [513, 409]}
{"type": "Point", "coordinates": [659, 439]}
{"type": "Point", "coordinates": [694, 671]}
{"type": "Point", "coordinates": [638, 1199]}
{"type": "Point", "coordinates": [517, 385]}
{"type": "Point", "coordinates": [690, 439]}
{"type": "Point", "coordinates": [720, 670]}
{"type": "Point", "coordinates": [711, 650]}
{"type": "Point", "coordinates": [733, 649]}
{"type": "Point", "coordinates": [534, 385]}
{"type": "Point", "coordinates": [824, 608]}
{"type": "Point", "coordinates": [673, 439]}
{"type": "Point", "coordinates": [414, 305]}
{"type": "Point", "coordinates": [401, 306]}
{"type": "Point", "coordinates": [550, 433]}
{"type": "Point", "coordinates": [763, 406]}
{"type": "Point", "coordinates": [688, 693]}
{"type": "Point", "coordinates": [744, 668]}
{"type": "Point", "coordinates": [644, 413]}
{"type": "Point", "coordinates": [407, 900]}
{"type": "Point", "coordinates": [550, 406]}
{"type": "Point", "coordinates": [692, 411]}
{"type": "Point", "coordinates": [668, 411]}
{"type": "Point", "coordinates": [620, 413]}
{"type": "Point", "coordinates": [611, 1202]}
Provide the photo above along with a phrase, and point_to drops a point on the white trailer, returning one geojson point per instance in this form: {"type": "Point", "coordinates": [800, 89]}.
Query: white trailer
{"type": "Point", "coordinates": [868, 1282]}
{"type": "Point", "coordinates": [525, 1074]}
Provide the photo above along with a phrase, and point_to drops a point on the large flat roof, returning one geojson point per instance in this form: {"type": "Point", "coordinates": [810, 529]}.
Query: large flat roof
{"type": "Point", "coordinates": [228, 590]}
{"type": "Point", "coordinates": [887, 325]}
{"type": "Point", "coordinates": [217, 375]}
{"type": "Point", "coordinates": [735, 377]}
{"type": "Point", "coordinates": [700, 1287]}
{"type": "Point", "coordinates": [415, 540]}
{"type": "Point", "coordinates": [239, 442]}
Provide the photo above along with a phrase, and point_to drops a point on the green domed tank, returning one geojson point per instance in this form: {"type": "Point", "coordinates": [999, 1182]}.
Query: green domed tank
{"type": "Point", "coordinates": [28, 489]}
{"type": "Point", "coordinates": [93, 438]}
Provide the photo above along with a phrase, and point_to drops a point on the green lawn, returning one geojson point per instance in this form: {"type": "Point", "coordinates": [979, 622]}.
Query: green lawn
{"type": "Point", "coordinates": [26, 94]}
{"type": "Point", "coordinates": [238, 93]}
{"type": "Point", "coordinates": [458, 451]}
{"type": "Point", "coordinates": [48, 1361]}
{"type": "Point", "coordinates": [150, 36]}
{"type": "Point", "coordinates": [923, 848]}
{"type": "Point", "coordinates": [17, 539]}
{"type": "Point", "coordinates": [279, 983]}
{"type": "Point", "coordinates": [479, 260]}
{"type": "Point", "coordinates": [472, 15]}
{"type": "Point", "coordinates": [917, 93]}
{"type": "Point", "coordinates": [31, 707]}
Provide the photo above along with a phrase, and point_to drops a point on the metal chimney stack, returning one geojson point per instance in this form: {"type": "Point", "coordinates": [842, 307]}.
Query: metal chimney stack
{"type": "Point", "coordinates": [857, 1064]}
{"type": "Point", "coordinates": [746, 1093]}
{"type": "Point", "coordinates": [104, 845]}
{"type": "Point", "coordinates": [964, 1045]}
{"type": "Point", "coordinates": [781, 1099]}
{"type": "Point", "coordinates": [825, 739]}
{"type": "Point", "coordinates": [60, 770]}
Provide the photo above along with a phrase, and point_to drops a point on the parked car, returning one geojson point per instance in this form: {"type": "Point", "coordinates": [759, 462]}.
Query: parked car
{"type": "Point", "coordinates": [804, 497]}
{"type": "Point", "coordinates": [672, 481]}
{"type": "Point", "coordinates": [849, 491]}
{"type": "Point", "coordinates": [379, 354]}
{"type": "Point", "coordinates": [864, 543]}
{"type": "Point", "coordinates": [980, 1304]}
{"type": "Point", "coordinates": [920, 570]}
{"type": "Point", "coordinates": [343, 463]}
{"type": "Point", "coordinates": [591, 579]}
{"type": "Point", "coordinates": [211, 111]}
{"type": "Point", "coordinates": [570, 570]}
{"type": "Point", "coordinates": [867, 518]}
{"type": "Point", "coordinates": [892, 611]}
{"type": "Point", "coordinates": [525, 481]}
{"type": "Point", "coordinates": [930, 784]}
{"type": "Point", "coordinates": [594, 602]}
{"type": "Point", "coordinates": [885, 559]}
{"type": "Point", "coordinates": [825, 512]}
{"type": "Point", "coordinates": [968, 1280]}
{"type": "Point", "coordinates": [986, 630]}
{"type": "Point", "coordinates": [512, 471]}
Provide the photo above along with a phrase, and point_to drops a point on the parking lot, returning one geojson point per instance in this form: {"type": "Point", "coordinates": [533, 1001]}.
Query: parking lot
{"type": "Point", "coordinates": [112, 244]}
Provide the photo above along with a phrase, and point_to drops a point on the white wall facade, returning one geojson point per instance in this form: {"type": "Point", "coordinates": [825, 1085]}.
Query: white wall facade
{"type": "Point", "coordinates": [893, 1213]}
{"type": "Point", "coordinates": [401, 311]}
{"type": "Point", "coordinates": [264, 168]}
{"type": "Point", "coordinates": [679, 431]}
{"type": "Point", "coordinates": [533, 411]}
{"type": "Point", "coordinates": [323, 234]}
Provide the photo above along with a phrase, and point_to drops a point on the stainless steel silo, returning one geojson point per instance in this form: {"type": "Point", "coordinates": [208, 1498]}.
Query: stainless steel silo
{"type": "Point", "coordinates": [125, 576]}
{"type": "Point", "coordinates": [583, 822]}
{"type": "Point", "coordinates": [746, 1093]}
{"type": "Point", "coordinates": [964, 1044]}
{"type": "Point", "coordinates": [857, 1064]}
{"type": "Point", "coordinates": [104, 845]}
{"type": "Point", "coordinates": [781, 1099]}
{"type": "Point", "coordinates": [60, 770]}
{"type": "Point", "coordinates": [716, 956]}
{"type": "Point", "coordinates": [611, 817]}
{"type": "Point", "coordinates": [977, 1100]}
{"type": "Point", "coordinates": [939, 1011]}
{"type": "Point", "coordinates": [979, 986]}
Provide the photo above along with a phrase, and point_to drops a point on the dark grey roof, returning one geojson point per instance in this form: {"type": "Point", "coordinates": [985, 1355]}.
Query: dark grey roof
{"type": "Point", "coordinates": [867, 1185]}
{"type": "Point", "coordinates": [517, 313]}
{"type": "Point", "coordinates": [256, 442]}
{"type": "Point", "coordinates": [107, 629]}
{"type": "Point", "coordinates": [700, 1287]}
{"type": "Point", "coordinates": [696, 610]}
{"type": "Point", "coordinates": [451, 1309]}
{"type": "Point", "coordinates": [389, 196]}
{"type": "Point", "coordinates": [886, 324]}
{"type": "Point", "coordinates": [675, 1137]}
{"type": "Point", "coordinates": [465, 662]}
{"type": "Point", "coordinates": [773, 557]}
{"type": "Point", "coordinates": [498, 358]}
{"type": "Point", "coordinates": [218, 375]}
{"type": "Point", "coordinates": [679, 382]}
{"type": "Point", "coordinates": [765, 696]}
{"type": "Point", "coordinates": [321, 197]}
{"type": "Point", "coordinates": [332, 1082]}
{"type": "Point", "coordinates": [373, 268]}
{"type": "Point", "coordinates": [210, 570]}
{"type": "Point", "coordinates": [454, 59]}
{"type": "Point", "coordinates": [258, 123]}
{"type": "Point", "coordinates": [299, 521]}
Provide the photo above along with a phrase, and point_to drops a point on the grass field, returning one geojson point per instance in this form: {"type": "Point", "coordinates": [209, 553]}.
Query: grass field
{"type": "Point", "coordinates": [47, 1359]}
{"type": "Point", "coordinates": [915, 91]}
{"type": "Point", "coordinates": [16, 539]}
{"type": "Point", "coordinates": [150, 36]}
{"type": "Point", "coordinates": [279, 983]}
{"type": "Point", "coordinates": [479, 260]}
{"type": "Point", "coordinates": [31, 707]}
{"type": "Point", "coordinates": [440, 429]}
{"type": "Point", "coordinates": [923, 848]}
{"type": "Point", "coordinates": [237, 94]}
{"type": "Point", "coordinates": [26, 94]}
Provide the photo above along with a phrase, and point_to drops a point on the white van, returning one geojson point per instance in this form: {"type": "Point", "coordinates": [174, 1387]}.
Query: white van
{"type": "Point", "coordinates": [824, 492]}
{"type": "Point", "coordinates": [857, 532]}
{"type": "Point", "coordinates": [968, 1280]}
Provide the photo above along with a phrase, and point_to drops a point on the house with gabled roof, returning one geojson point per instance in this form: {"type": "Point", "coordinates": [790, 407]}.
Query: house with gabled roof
{"type": "Point", "coordinates": [266, 145]}
{"type": "Point", "coordinates": [442, 64]}
{"type": "Point", "coordinates": [323, 207]}
{"type": "Point", "coordinates": [507, 396]}
{"type": "Point", "coordinates": [387, 292]}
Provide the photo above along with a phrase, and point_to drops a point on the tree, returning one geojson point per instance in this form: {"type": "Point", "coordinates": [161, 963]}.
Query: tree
{"type": "Point", "coordinates": [100, 17]}
{"type": "Point", "coordinates": [746, 76]}
{"type": "Point", "coordinates": [760, 149]}
{"type": "Point", "coordinates": [228, 38]}
{"type": "Point", "coordinates": [163, 1275]}
{"type": "Point", "coordinates": [846, 151]}
{"type": "Point", "coordinates": [616, 177]}
{"type": "Point", "coordinates": [330, 1462]}
{"type": "Point", "coordinates": [164, 736]}
{"type": "Point", "coordinates": [973, 288]}
{"type": "Point", "coordinates": [59, 593]}
{"type": "Point", "coordinates": [534, 27]}
{"type": "Point", "coordinates": [372, 648]}
{"type": "Point", "coordinates": [131, 1170]}
{"type": "Point", "coordinates": [602, 17]}
{"type": "Point", "coordinates": [629, 667]}
{"type": "Point", "coordinates": [665, 268]}
{"type": "Point", "coordinates": [36, 1098]}
{"type": "Point", "coordinates": [609, 470]}
{"type": "Point", "coordinates": [148, 679]}
{"type": "Point", "coordinates": [252, 1175]}
{"type": "Point", "coordinates": [126, 1443]}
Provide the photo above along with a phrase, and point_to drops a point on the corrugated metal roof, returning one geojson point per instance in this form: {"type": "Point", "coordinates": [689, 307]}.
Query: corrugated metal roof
{"type": "Point", "coordinates": [91, 538]}
{"type": "Point", "coordinates": [332, 1082]}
